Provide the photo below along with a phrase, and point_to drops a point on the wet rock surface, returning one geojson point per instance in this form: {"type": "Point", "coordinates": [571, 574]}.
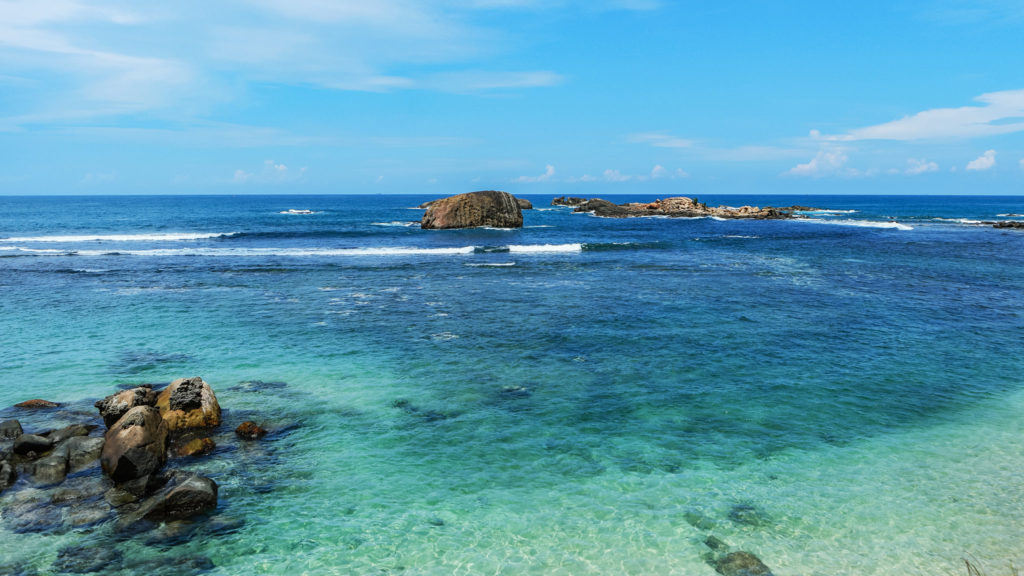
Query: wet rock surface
{"type": "Point", "coordinates": [10, 429]}
{"type": "Point", "coordinates": [676, 207]}
{"type": "Point", "coordinates": [250, 430]}
{"type": "Point", "coordinates": [189, 403]}
{"type": "Point", "coordinates": [474, 209]}
{"type": "Point", "coordinates": [136, 445]}
{"type": "Point", "coordinates": [113, 407]}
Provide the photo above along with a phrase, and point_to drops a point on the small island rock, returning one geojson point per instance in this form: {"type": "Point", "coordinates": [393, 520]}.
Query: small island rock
{"type": "Point", "coordinates": [36, 403]}
{"type": "Point", "coordinates": [524, 204]}
{"type": "Point", "coordinates": [474, 209]}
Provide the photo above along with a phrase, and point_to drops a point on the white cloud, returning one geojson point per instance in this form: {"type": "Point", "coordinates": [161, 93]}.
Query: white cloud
{"type": "Point", "coordinates": [1022, 163]}
{"type": "Point", "coordinates": [920, 167]}
{"type": "Point", "coordinates": [270, 173]}
{"type": "Point", "coordinates": [549, 172]}
{"type": "Point", "coordinates": [659, 172]}
{"type": "Point", "coordinates": [659, 139]}
{"type": "Point", "coordinates": [828, 161]}
{"type": "Point", "coordinates": [1002, 113]}
{"type": "Point", "coordinates": [983, 162]}
{"type": "Point", "coordinates": [616, 176]}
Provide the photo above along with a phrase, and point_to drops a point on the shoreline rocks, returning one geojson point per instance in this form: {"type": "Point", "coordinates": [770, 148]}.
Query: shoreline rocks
{"type": "Point", "coordinates": [567, 201]}
{"type": "Point", "coordinates": [136, 445]}
{"type": "Point", "coordinates": [36, 403]}
{"type": "Point", "coordinates": [188, 403]}
{"type": "Point", "coordinates": [472, 210]}
{"type": "Point", "coordinates": [113, 407]}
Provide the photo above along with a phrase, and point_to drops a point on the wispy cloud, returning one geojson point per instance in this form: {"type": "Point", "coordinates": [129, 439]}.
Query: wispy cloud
{"type": "Point", "coordinates": [270, 173]}
{"type": "Point", "coordinates": [1000, 113]}
{"type": "Point", "coordinates": [549, 172]}
{"type": "Point", "coordinates": [920, 167]}
{"type": "Point", "coordinates": [829, 161]}
{"type": "Point", "coordinates": [660, 140]}
{"type": "Point", "coordinates": [984, 162]}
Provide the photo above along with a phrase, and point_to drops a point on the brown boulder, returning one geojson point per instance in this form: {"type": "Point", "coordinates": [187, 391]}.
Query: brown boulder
{"type": "Point", "coordinates": [486, 208]}
{"type": "Point", "coordinates": [116, 405]}
{"type": "Point", "coordinates": [136, 445]}
{"type": "Point", "coordinates": [36, 403]}
{"type": "Point", "coordinates": [189, 403]}
{"type": "Point", "coordinates": [524, 204]}
{"type": "Point", "coordinates": [250, 431]}
{"type": "Point", "coordinates": [196, 447]}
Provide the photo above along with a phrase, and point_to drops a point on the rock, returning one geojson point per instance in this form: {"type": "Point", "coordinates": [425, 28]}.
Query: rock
{"type": "Point", "coordinates": [603, 208]}
{"type": "Point", "coordinates": [677, 207]}
{"type": "Point", "coordinates": [27, 444]}
{"type": "Point", "coordinates": [82, 452]}
{"type": "Point", "coordinates": [748, 515]}
{"type": "Point", "coordinates": [196, 447]}
{"type": "Point", "coordinates": [426, 204]}
{"type": "Point", "coordinates": [1008, 224]}
{"type": "Point", "coordinates": [58, 436]}
{"type": "Point", "coordinates": [36, 403]}
{"type": "Point", "coordinates": [487, 208]}
{"type": "Point", "coordinates": [7, 475]}
{"type": "Point", "coordinates": [185, 495]}
{"type": "Point", "coordinates": [116, 405]}
{"type": "Point", "coordinates": [86, 559]}
{"type": "Point", "coordinates": [250, 431]}
{"type": "Point", "coordinates": [189, 403]}
{"type": "Point", "coordinates": [51, 470]}
{"type": "Point", "coordinates": [10, 429]}
{"type": "Point", "coordinates": [136, 445]}
{"type": "Point", "coordinates": [741, 564]}
{"type": "Point", "coordinates": [524, 204]}
{"type": "Point", "coordinates": [89, 514]}
{"type": "Point", "coordinates": [567, 201]}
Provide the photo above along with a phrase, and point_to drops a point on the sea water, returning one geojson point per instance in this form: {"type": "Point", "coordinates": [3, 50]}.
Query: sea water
{"type": "Point", "coordinates": [839, 395]}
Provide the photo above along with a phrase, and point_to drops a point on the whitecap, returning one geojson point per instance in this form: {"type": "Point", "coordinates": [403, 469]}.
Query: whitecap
{"type": "Point", "coordinates": [960, 221]}
{"type": "Point", "coordinates": [860, 223]}
{"type": "Point", "coordinates": [166, 237]}
{"type": "Point", "coordinates": [444, 336]}
{"type": "Point", "coordinates": [397, 223]}
{"type": "Point", "coordinates": [490, 264]}
{"type": "Point", "coordinates": [544, 248]}
{"type": "Point", "coordinates": [740, 236]}
{"type": "Point", "coordinates": [825, 212]}
{"type": "Point", "coordinates": [299, 212]}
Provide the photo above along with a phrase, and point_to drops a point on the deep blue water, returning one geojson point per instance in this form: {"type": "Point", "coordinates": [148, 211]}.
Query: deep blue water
{"type": "Point", "coordinates": [553, 399]}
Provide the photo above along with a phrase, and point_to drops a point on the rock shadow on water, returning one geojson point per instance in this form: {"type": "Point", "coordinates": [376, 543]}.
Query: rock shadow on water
{"type": "Point", "coordinates": [422, 414]}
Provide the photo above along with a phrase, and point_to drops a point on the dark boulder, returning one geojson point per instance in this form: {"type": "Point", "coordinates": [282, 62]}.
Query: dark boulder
{"type": "Point", "coordinates": [52, 469]}
{"type": "Point", "coordinates": [82, 452]}
{"type": "Point", "coordinates": [524, 204]}
{"type": "Point", "coordinates": [568, 201]}
{"type": "Point", "coordinates": [1008, 224]}
{"type": "Point", "coordinates": [487, 208]}
{"type": "Point", "coordinates": [136, 445]}
{"type": "Point", "coordinates": [113, 407]}
{"type": "Point", "coordinates": [603, 208]}
{"type": "Point", "coordinates": [58, 436]}
{"type": "Point", "coordinates": [250, 431]}
{"type": "Point", "coordinates": [189, 403]}
{"type": "Point", "coordinates": [185, 495]}
{"type": "Point", "coordinates": [36, 403]}
{"type": "Point", "coordinates": [7, 475]}
{"type": "Point", "coordinates": [28, 444]}
{"type": "Point", "coordinates": [10, 429]}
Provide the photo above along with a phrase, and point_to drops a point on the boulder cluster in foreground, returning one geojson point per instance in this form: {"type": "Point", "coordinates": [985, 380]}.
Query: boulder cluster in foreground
{"type": "Point", "coordinates": [80, 476]}
{"type": "Point", "coordinates": [677, 207]}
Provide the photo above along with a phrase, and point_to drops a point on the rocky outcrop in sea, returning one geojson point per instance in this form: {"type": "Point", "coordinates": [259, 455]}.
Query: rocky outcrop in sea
{"type": "Point", "coordinates": [676, 207]}
{"type": "Point", "coordinates": [474, 209]}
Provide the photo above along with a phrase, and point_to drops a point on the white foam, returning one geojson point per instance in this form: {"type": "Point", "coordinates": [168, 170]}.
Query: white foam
{"type": "Point", "coordinates": [740, 236]}
{"type": "Point", "coordinates": [263, 252]}
{"type": "Point", "coordinates": [490, 264]}
{"type": "Point", "coordinates": [960, 221]}
{"type": "Point", "coordinates": [544, 248]}
{"type": "Point", "coordinates": [825, 212]}
{"type": "Point", "coordinates": [167, 237]}
{"type": "Point", "coordinates": [397, 223]}
{"type": "Point", "coordinates": [298, 211]}
{"type": "Point", "coordinates": [860, 223]}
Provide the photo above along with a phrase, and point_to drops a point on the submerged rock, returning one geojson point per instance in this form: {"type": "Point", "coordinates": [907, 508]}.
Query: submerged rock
{"type": "Point", "coordinates": [136, 445]}
{"type": "Point", "coordinates": [741, 564]}
{"type": "Point", "coordinates": [748, 515]}
{"type": "Point", "coordinates": [250, 431]}
{"type": "Point", "coordinates": [185, 495]}
{"type": "Point", "coordinates": [82, 452]}
{"type": "Point", "coordinates": [28, 444]}
{"type": "Point", "coordinates": [86, 559]}
{"type": "Point", "coordinates": [10, 429]}
{"type": "Point", "coordinates": [189, 403]}
{"type": "Point", "coordinates": [52, 469]}
{"type": "Point", "coordinates": [36, 403]}
{"type": "Point", "coordinates": [196, 447]}
{"type": "Point", "coordinates": [7, 475]}
{"type": "Point", "coordinates": [474, 209]}
{"type": "Point", "coordinates": [113, 407]}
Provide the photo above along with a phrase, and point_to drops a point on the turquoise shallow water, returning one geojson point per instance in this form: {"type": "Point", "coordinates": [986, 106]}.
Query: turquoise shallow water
{"type": "Point", "coordinates": [582, 396]}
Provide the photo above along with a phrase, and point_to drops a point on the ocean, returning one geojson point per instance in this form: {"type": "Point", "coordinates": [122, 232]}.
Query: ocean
{"type": "Point", "coordinates": [840, 394]}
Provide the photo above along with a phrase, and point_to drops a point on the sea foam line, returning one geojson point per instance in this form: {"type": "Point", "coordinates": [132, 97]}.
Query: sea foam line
{"type": "Point", "coordinates": [168, 237]}
{"type": "Point", "coordinates": [542, 248]}
{"type": "Point", "coordinates": [859, 223]}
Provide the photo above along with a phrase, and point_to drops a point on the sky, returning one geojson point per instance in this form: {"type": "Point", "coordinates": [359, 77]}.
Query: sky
{"type": "Point", "coordinates": [580, 97]}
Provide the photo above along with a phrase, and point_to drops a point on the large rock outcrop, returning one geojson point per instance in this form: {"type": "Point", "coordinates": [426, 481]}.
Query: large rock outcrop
{"type": "Point", "coordinates": [189, 403]}
{"type": "Point", "coordinates": [136, 445]}
{"type": "Point", "coordinates": [474, 209]}
{"type": "Point", "coordinates": [677, 207]}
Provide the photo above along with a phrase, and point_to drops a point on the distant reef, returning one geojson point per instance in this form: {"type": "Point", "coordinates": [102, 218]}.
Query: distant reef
{"type": "Point", "coordinates": [677, 207]}
{"type": "Point", "coordinates": [474, 209]}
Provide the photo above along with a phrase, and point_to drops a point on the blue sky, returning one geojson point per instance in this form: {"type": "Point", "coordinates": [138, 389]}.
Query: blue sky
{"type": "Point", "coordinates": [535, 97]}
